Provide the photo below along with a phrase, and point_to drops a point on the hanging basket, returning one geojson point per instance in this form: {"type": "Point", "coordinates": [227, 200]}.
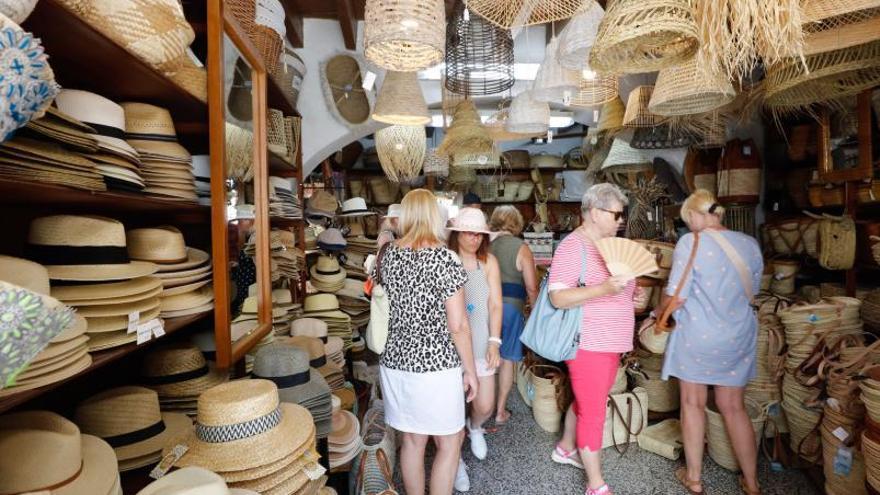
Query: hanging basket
{"type": "Point", "coordinates": [349, 103]}
{"type": "Point", "coordinates": [577, 38]}
{"type": "Point", "coordinates": [401, 150]}
{"type": "Point", "coordinates": [479, 56]}
{"type": "Point", "coordinates": [528, 116]}
{"type": "Point", "coordinates": [689, 89]}
{"type": "Point", "coordinates": [290, 74]}
{"type": "Point", "coordinates": [611, 117]}
{"type": "Point", "coordinates": [553, 82]}
{"type": "Point", "coordinates": [506, 13]}
{"type": "Point", "coordinates": [401, 101]}
{"type": "Point", "coordinates": [404, 35]}
{"type": "Point", "coordinates": [637, 113]}
{"type": "Point", "coordinates": [594, 89]}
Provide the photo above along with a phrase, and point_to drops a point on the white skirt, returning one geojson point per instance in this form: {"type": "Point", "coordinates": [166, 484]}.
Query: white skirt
{"type": "Point", "coordinates": [424, 403]}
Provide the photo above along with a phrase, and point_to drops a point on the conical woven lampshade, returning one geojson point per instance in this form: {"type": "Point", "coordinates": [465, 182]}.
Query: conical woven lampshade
{"type": "Point", "coordinates": [594, 89]}
{"type": "Point", "coordinates": [637, 114]}
{"type": "Point", "coordinates": [624, 158]}
{"type": "Point", "coordinates": [400, 100]}
{"type": "Point", "coordinates": [479, 56]}
{"type": "Point", "coordinates": [466, 134]}
{"type": "Point", "coordinates": [510, 13]}
{"type": "Point", "coordinates": [688, 90]}
{"type": "Point", "coordinates": [401, 150]}
{"type": "Point", "coordinates": [611, 116]}
{"type": "Point", "coordinates": [553, 82]}
{"type": "Point", "coordinates": [527, 116]}
{"type": "Point", "coordinates": [496, 124]}
{"type": "Point", "coordinates": [404, 35]}
{"type": "Point", "coordinates": [577, 38]}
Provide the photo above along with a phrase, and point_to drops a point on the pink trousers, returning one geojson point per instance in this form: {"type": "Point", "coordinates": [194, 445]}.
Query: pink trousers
{"type": "Point", "coordinates": [592, 376]}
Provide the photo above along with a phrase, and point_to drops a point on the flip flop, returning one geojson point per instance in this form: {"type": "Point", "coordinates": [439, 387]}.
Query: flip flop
{"type": "Point", "coordinates": [681, 476]}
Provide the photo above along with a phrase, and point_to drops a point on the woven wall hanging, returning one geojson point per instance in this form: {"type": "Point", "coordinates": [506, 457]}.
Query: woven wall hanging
{"type": "Point", "coordinates": [514, 13]}
{"type": "Point", "coordinates": [341, 78]}
{"type": "Point", "coordinates": [401, 101]}
{"type": "Point", "coordinates": [401, 150]}
{"type": "Point", "coordinates": [404, 35]}
{"type": "Point", "coordinates": [479, 55]}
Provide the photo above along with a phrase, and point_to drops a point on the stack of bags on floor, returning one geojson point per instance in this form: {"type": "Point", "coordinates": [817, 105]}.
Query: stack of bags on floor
{"type": "Point", "coordinates": [201, 167]}
{"type": "Point", "coordinates": [179, 373]}
{"type": "Point", "coordinates": [325, 307]}
{"type": "Point", "coordinates": [327, 275]}
{"type": "Point", "coordinates": [311, 327]}
{"type": "Point", "coordinates": [332, 374]}
{"type": "Point", "coordinates": [353, 302]}
{"type": "Point", "coordinates": [283, 202]}
{"type": "Point", "coordinates": [345, 440]}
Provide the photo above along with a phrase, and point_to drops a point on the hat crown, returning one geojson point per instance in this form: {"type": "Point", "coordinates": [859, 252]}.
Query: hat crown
{"type": "Point", "coordinates": [354, 204]}
{"type": "Point", "coordinates": [161, 244]}
{"type": "Point", "coordinates": [237, 402]}
{"type": "Point", "coordinates": [40, 449]}
{"type": "Point", "coordinates": [321, 302]}
{"type": "Point", "coordinates": [312, 345]}
{"type": "Point", "coordinates": [331, 236]}
{"type": "Point", "coordinates": [328, 263]}
{"type": "Point", "coordinates": [470, 219]}
{"type": "Point", "coordinates": [91, 108]}
{"type": "Point", "coordinates": [76, 230]}
{"type": "Point", "coordinates": [280, 360]}
{"type": "Point", "coordinates": [324, 201]}
{"type": "Point", "coordinates": [190, 480]}
{"type": "Point", "coordinates": [143, 118]}
{"type": "Point", "coordinates": [308, 327]}
{"type": "Point", "coordinates": [174, 359]}
{"type": "Point", "coordinates": [24, 273]}
{"type": "Point", "coordinates": [118, 411]}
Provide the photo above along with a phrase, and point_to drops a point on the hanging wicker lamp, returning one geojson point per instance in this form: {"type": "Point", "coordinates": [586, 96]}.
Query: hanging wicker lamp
{"type": "Point", "coordinates": [837, 24]}
{"type": "Point", "coordinates": [496, 125]}
{"type": "Point", "coordinates": [436, 164]}
{"type": "Point", "coordinates": [466, 134]}
{"type": "Point", "coordinates": [644, 36]}
{"type": "Point", "coordinates": [512, 13]}
{"type": "Point", "coordinates": [577, 38]}
{"type": "Point", "coordinates": [528, 116]}
{"type": "Point", "coordinates": [637, 113]}
{"type": "Point", "coordinates": [594, 89]}
{"type": "Point", "coordinates": [553, 83]}
{"type": "Point", "coordinates": [689, 89]}
{"type": "Point", "coordinates": [611, 117]}
{"type": "Point", "coordinates": [401, 150]}
{"type": "Point", "coordinates": [404, 35]}
{"type": "Point", "coordinates": [400, 100]}
{"type": "Point", "coordinates": [479, 56]}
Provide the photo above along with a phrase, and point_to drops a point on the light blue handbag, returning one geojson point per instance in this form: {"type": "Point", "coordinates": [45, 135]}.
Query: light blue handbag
{"type": "Point", "coordinates": [551, 332]}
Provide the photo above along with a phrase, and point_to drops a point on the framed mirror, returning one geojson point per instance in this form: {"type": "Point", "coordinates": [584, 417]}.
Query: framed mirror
{"type": "Point", "coordinates": [845, 140]}
{"type": "Point", "coordinates": [239, 213]}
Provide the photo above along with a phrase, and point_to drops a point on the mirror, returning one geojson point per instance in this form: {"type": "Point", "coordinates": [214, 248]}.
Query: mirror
{"type": "Point", "coordinates": [845, 140]}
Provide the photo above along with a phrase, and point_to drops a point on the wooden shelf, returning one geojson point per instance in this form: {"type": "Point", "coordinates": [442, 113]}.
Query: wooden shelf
{"type": "Point", "coordinates": [99, 360]}
{"type": "Point", "coordinates": [276, 98]}
{"type": "Point", "coordinates": [279, 166]}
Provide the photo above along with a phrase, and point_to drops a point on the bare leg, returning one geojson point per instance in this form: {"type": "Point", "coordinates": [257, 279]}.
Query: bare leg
{"type": "Point", "coordinates": [445, 464]}
{"type": "Point", "coordinates": [483, 404]}
{"type": "Point", "coordinates": [412, 462]}
{"type": "Point", "coordinates": [593, 466]}
{"type": "Point", "coordinates": [739, 429]}
{"type": "Point", "coordinates": [569, 430]}
{"type": "Point", "coordinates": [505, 383]}
{"type": "Point", "coordinates": [693, 426]}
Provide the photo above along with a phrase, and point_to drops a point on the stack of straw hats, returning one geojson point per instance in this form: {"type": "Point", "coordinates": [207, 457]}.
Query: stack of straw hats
{"type": "Point", "coordinates": [179, 373]}
{"type": "Point", "coordinates": [128, 418]}
{"type": "Point", "coordinates": [42, 449]}
{"type": "Point", "coordinates": [244, 433]}
{"type": "Point", "coordinates": [89, 254]}
{"type": "Point", "coordinates": [318, 359]}
{"type": "Point", "coordinates": [165, 164]}
{"type": "Point", "coordinates": [325, 307]}
{"type": "Point", "coordinates": [185, 271]}
{"type": "Point", "coordinates": [192, 481]}
{"type": "Point", "coordinates": [311, 327]}
{"type": "Point", "coordinates": [331, 240]}
{"type": "Point", "coordinates": [283, 202]}
{"type": "Point", "coordinates": [359, 246]}
{"type": "Point", "coordinates": [297, 382]}
{"type": "Point", "coordinates": [345, 440]}
{"type": "Point", "coordinates": [354, 303]}
{"type": "Point", "coordinates": [326, 274]}
{"type": "Point", "coordinates": [288, 260]}
{"type": "Point", "coordinates": [321, 205]}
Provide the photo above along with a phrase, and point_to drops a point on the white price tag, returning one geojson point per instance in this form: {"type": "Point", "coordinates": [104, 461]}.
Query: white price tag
{"type": "Point", "coordinates": [133, 318]}
{"type": "Point", "coordinates": [549, 136]}
{"type": "Point", "coordinates": [840, 433]}
{"type": "Point", "coordinates": [650, 216]}
{"type": "Point", "coordinates": [747, 150]}
{"type": "Point", "coordinates": [144, 334]}
{"type": "Point", "coordinates": [369, 80]}
{"type": "Point", "coordinates": [595, 116]}
{"type": "Point", "coordinates": [158, 328]}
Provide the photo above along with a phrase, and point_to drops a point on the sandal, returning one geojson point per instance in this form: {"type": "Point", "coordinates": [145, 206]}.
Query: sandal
{"type": "Point", "coordinates": [745, 488]}
{"type": "Point", "coordinates": [502, 423]}
{"type": "Point", "coordinates": [681, 476]}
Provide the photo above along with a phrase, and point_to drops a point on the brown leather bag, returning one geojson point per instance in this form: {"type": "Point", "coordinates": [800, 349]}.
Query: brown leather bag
{"type": "Point", "coordinates": [665, 323]}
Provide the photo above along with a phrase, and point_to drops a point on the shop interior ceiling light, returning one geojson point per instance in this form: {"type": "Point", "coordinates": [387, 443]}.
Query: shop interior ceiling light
{"type": "Point", "coordinates": [401, 150]}
{"type": "Point", "coordinates": [479, 55]}
{"type": "Point", "coordinates": [404, 35]}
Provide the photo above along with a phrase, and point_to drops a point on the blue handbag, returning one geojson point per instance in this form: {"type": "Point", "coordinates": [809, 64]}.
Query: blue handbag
{"type": "Point", "coordinates": [551, 332]}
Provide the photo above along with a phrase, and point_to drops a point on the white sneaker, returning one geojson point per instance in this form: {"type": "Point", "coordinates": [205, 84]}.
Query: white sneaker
{"type": "Point", "coordinates": [561, 456]}
{"type": "Point", "coordinates": [462, 480]}
{"type": "Point", "coordinates": [478, 442]}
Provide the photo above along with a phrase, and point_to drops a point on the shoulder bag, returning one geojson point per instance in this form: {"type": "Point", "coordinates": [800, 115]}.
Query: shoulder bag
{"type": "Point", "coordinates": [551, 332]}
{"type": "Point", "coordinates": [741, 268]}
{"type": "Point", "coordinates": [380, 309]}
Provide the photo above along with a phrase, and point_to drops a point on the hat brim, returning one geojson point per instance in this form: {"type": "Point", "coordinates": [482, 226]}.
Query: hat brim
{"type": "Point", "coordinates": [70, 294]}
{"type": "Point", "coordinates": [194, 258]}
{"type": "Point", "coordinates": [98, 273]}
{"type": "Point", "coordinates": [123, 309]}
{"type": "Point", "coordinates": [314, 388]}
{"type": "Point", "coordinates": [109, 340]}
{"type": "Point", "coordinates": [358, 213]}
{"type": "Point", "coordinates": [99, 470]}
{"type": "Point", "coordinates": [76, 328]}
{"type": "Point", "coordinates": [194, 387]}
{"type": "Point", "coordinates": [35, 371]}
{"type": "Point", "coordinates": [267, 469]}
{"type": "Point", "coordinates": [289, 477]}
{"type": "Point", "coordinates": [475, 230]}
{"type": "Point", "coordinates": [99, 325]}
{"type": "Point", "coordinates": [170, 149]}
{"type": "Point", "coordinates": [187, 300]}
{"type": "Point", "coordinates": [52, 351]}
{"type": "Point", "coordinates": [181, 289]}
{"type": "Point", "coordinates": [128, 299]}
{"type": "Point", "coordinates": [82, 364]}
{"type": "Point", "coordinates": [176, 424]}
{"type": "Point", "coordinates": [186, 312]}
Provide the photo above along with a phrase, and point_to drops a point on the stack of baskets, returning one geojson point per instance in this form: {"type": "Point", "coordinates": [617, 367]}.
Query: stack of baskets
{"type": "Point", "coordinates": [764, 388]}
{"type": "Point", "coordinates": [720, 449]}
{"type": "Point", "coordinates": [870, 388]}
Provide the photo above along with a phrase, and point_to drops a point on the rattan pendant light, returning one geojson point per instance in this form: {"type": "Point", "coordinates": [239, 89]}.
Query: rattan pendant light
{"type": "Point", "coordinates": [512, 13]}
{"type": "Point", "coordinates": [689, 89]}
{"type": "Point", "coordinates": [404, 35]}
{"type": "Point", "coordinates": [466, 134]}
{"type": "Point", "coordinates": [528, 116]}
{"type": "Point", "coordinates": [401, 150]}
{"type": "Point", "coordinates": [479, 56]}
{"type": "Point", "coordinates": [400, 100]}
{"type": "Point", "coordinates": [553, 83]}
{"type": "Point", "coordinates": [577, 38]}
{"type": "Point", "coordinates": [611, 117]}
{"type": "Point", "coordinates": [637, 113]}
{"type": "Point", "coordinates": [594, 89]}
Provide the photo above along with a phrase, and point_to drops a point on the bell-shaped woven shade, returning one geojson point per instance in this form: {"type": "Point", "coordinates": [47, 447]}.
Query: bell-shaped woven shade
{"type": "Point", "coordinates": [624, 158]}
{"type": "Point", "coordinates": [511, 13]}
{"type": "Point", "coordinates": [644, 36]}
{"type": "Point", "coordinates": [527, 116]}
{"type": "Point", "coordinates": [577, 38]}
{"type": "Point", "coordinates": [611, 116]}
{"type": "Point", "coordinates": [466, 134]}
{"type": "Point", "coordinates": [479, 56]}
{"type": "Point", "coordinates": [594, 89]}
{"type": "Point", "coordinates": [401, 150]}
{"type": "Point", "coordinates": [400, 100]}
{"type": "Point", "coordinates": [404, 35]}
{"type": "Point", "coordinates": [553, 82]}
{"type": "Point", "coordinates": [637, 114]}
{"type": "Point", "coordinates": [496, 124]}
{"type": "Point", "coordinates": [436, 164]}
{"type": "Point", "coordinates": [688, 89]}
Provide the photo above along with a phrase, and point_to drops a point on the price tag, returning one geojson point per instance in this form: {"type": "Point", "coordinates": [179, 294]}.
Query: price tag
{"type": "Point", "coordinates": [133, 318]}
{"type": "Point", "coordinates": [144, 334]}
{"type": "Point", "coordinates": [595, 116]}
{"type": "Point", "coordinates": [843, 461]}
{"type": "Point", "coordinates": [369, 80]}
{"type": "Point", "coordinates": [776, 206]}
{"type": "Point", "coordinates": [549, 136]}
{"type": "Point", "coordinates": [650, 216]}
{"type": "Point", "coordinates": [840, 433]}
{"type": "Point", "coordinates": [747, 150]}
{"type": "Point", "coordinates": [158, 328]}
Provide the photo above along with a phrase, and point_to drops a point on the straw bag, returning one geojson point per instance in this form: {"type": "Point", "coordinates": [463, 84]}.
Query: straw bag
{"type": "Point", "coordinates": [663, 439]}
{"type": "Point", "coordinates": [663, 395]}
{"type": "Point", "coordinates": [380, 310]}
{"type": "Point", "coordinates": [525, 191]}
{"type": "Point", "coordinates": [739, 173]}
{"type": "Point", "coordinates": [377, 474]}
{"type": "Point", "coordinates": [378, 457]}
{"type": "Point", "coordinates": [720, 449]}
{"type": "Point", "coordinates": [549, 384]}
{"type": "Point", "coordinates": [524, 381]}
{"type": "Point", "coordinates": [837, 242]}
{"type": "Point", "coordinates": [626, 416]}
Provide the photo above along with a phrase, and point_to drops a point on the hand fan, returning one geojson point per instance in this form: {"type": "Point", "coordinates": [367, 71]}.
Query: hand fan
{"type": "Point", "coordinates": [626, 257]}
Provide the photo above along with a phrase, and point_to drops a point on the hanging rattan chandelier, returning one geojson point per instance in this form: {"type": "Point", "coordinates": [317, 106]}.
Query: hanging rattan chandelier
{"type": "Point", "coordinates": [479, 55]}
{"type": "Point", "coordinates": [404, 35]}
{"type": "Point", "coordinates": [401, 150]}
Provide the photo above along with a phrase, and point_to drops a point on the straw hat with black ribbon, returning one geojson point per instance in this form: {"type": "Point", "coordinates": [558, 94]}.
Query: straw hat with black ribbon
{"type": "Point", "coordinates": [179, 370]}
{"type": "Point", "coordinates": [66, 130]}
{"type": "Point", "coordinates": [318, 359]}
{"type": "Point", "coordinates": [103, 115]}
{"type": "Point", "coordinates": [327, 275]}
{"type": "Point", "coordinates": [401, 101]}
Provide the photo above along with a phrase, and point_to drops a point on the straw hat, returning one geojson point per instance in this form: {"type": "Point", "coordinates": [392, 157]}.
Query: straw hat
{"type": "Point", "coordinates": [97, 293]}
{"type": "Point", "coordinates": [164, 244]}
{"type": "Point", "coordinates": [179, 370]}
{"type": "Point", "coordinates": [150, 130]}
{"type": "Point", "coordinates": [192, 480]}
{"type": "Point", "coordinates": [637, 113]}
{"type": "Point", "coordinates": [309, 327]}
{"type": "Point", "coordinates": [323, 204]}
{"type": "Point", "coordinates": [288, 367]}
{"type": "Point", "coordinates": [317, 354]}
{"type": "Point", "coordinates": [105, 116]}
{"type": "Point", "coordinates": [323, 304]}
{"type": "Point", "coordinates": [128, 418]}
{"type": "Point", "coordinates": [192, 302]}
{"type": "Point", "coordinates": [327, 271]}
{"type": "Point", "coordinates": [355, 207]}
{"type": "Point", "coordinates": [401, 101]}
{"type": "Point", "coordinates": [83, 248]}
{"type": "Point", "coordinates": [470, 220]}
{"type": "Point", "coordinates": [244, 416]}
{"type": "Point", "coordinates": [24, 273]}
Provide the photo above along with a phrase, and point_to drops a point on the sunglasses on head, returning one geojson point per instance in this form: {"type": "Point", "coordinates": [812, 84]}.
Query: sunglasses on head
{"type": "Point", "coordinates": [617, 214]}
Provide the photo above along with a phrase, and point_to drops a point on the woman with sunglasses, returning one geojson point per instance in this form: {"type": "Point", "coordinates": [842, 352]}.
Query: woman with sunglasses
{"type": "Point", "coordinates": [606, 328]}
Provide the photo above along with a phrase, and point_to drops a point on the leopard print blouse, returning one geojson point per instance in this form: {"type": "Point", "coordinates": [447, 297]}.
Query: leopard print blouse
{"type": "Point", "coordinates": [418, 282]}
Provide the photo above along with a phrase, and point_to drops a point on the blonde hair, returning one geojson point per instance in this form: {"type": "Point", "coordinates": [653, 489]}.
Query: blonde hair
{"type": "Point", "coordinates": [701, 201]}
{"type": "Point", "coordinates": [421, 222]}
{"type": "Point", "coordinates": [506, 217]}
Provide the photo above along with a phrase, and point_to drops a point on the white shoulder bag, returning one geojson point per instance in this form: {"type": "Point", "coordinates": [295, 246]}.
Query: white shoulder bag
{"type": "Point", "coordinates": [380, 309]}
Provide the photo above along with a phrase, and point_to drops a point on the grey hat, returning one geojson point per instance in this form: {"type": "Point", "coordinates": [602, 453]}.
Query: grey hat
{"type": "Point", "coordinates": [332, 240]}
{"type": "Point", "coordinates": [288, 367]}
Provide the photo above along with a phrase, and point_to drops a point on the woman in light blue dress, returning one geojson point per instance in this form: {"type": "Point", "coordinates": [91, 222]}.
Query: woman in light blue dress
{"type": "Point", "coordinates": [715, 336]}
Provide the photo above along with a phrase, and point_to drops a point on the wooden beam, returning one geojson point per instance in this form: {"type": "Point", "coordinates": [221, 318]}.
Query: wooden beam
{"type": "Point", "coordinates": [348, 23]}
{"type": "Point", "coordinates": [293, 21]}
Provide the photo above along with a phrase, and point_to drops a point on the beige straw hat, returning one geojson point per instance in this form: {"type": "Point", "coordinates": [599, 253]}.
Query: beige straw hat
{"type": "Point", "coordinates": [51, 456]}
{"type": "Point", "coordinates": [24, 273]}
{"type": "Point", "coordinates": [72, 368]}
{"type": "Point", "coordinates": [317, 354]}
{"type": "Point", "coordinates": [128, 418]}
{"type": "Point", "coordinates": [150, 130]}
{"type": "Point", "coordinates": [97, 293]}
{"type": "Point", "coordinates": [192, 480]}
{"type": "Point", "coordinates": [105, 116]}
{"type": "Point", "coordinates": [187, 300]}
{"type": "Point", "coordinates": [179, 370]}
{"type": "Point", "coordinates": [83, 248]}
{"type": "Point", "coordinates": [164, 244]}
{"type": "Point", "coordinates": [401, 101]}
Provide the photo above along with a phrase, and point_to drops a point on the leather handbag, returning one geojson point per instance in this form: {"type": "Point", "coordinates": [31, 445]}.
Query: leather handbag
{"type": "Point", "coordinates": [626, 416]}
{"type": "Point", "coordinates": [551, 332]}
{"type": "Point", "coordinates": [380, 309]}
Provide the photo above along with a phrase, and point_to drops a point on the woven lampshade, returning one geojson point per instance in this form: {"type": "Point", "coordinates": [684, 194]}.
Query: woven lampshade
{"type": "Point", "coordinates": [510, 13]}
{"type": "Point", "coordinates": [466, 134]}
{"type": "Point", "coordinates": [401, 150]}
{"type": "Point", "coordinates": [611, 116]}
{"type": "Point", "coordinates": [837, 24]}
{"type": "Point", "coordinates": [400, 100]}
{"type": "Point", "coordinates": [637, 113]}
{"type": "Point", "coordinates": [527, 116]}
{"type": "Point", "coordinates": [624, 158]}
{"type": "Point", "coordinates": [644, 36]}
{"type": "Point", "coordinates": [496, 125]}
{"type": "Point", "coordinates": [688, 89]}
{"type": "Point", "coordinates": [594, 89]}
{"type": "Point", "coordinates": [404, 35]}
{"type": "Point", "coordinates": [436, 164]}
{"type": "Point", "coordinates": [479, 56]}
{"type": "Point", "coordinates": [577, 38]}
{"type": "Point", "coordinates": [553, 82]}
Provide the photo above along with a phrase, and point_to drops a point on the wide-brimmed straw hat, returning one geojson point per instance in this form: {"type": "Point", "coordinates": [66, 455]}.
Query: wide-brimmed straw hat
{"type": "Point", "coordinates": [192, 480]}
{"type": "Point", "coordinates": [332, 240]}
{"type": "Point", "coordinates": [317, 353]}
{"type": "Point", "coordinates": [179, 370]}
{"type": "Point", "coordinates": [128, 418]}
{"type": "Point", "coordinates": [44, 452]}
{"type": "Point", "coordinates": [394, 211]}
{"type": "Point", "coordinates": [243, 425]}
{"type": "Point", "coordinates": [327, 270]}
{"type": "Point", "coordinates": [83, 248]}
{"type": "Point", "coordinates": [470, 220]}
{"type": "Point", "coordinates": [322, 306]}
{"type": "Point", "coordinates": [288, 367]}
{"type": "Point", "coordinates": [89, 294]}
{"type": "Point", "coordinates": [24, 273]}
{"type": "Point", "coordinates": [322, 204]}
{"type": "Point", "coordinates": [150, 130]}
{"type": "Point", "coordinates": [105, 116]}
{"type": "Point", "coordinates": [164, 244]}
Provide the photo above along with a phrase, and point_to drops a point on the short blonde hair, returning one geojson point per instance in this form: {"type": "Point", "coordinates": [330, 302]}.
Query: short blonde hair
{"type": "Point", "coordinates": [506, 217]}
{"type": "Point", "coordinates": [420, 219]}
{"type": "Point", "coordinates": [701, 201]}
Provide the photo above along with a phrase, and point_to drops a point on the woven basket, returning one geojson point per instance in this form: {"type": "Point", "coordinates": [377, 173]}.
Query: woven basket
{"type": "Point", "coordinates": [461, 176]}
{"type": "Point", "coordinates": [637, 113]}
{"type": "Point", "coordinates": [268, 43]}
{"type": "Point", "coordinates": [663, 395]}
{"type": "Point", "coordinates": [663, 438]}
{"type": "Point", "coordinates": [525, 190]}
{"type": "Point", "coordinates": [838, 484]}
{"type": "Point", "coordinates": [739, 173]}
{"type": "Point", "coordinates": [401, 101]}
{"type": "Point", "coordinates": [401, 150]}
{"type": "Point", "coordinates": [837, 243]}
{"type": "Point", "coordinates": [479, 55]}
{"type": "Point", "coordinates": [594, 89]}
{"type": "Point", "coordinates": [496, 126]}
{"type": "Point", "coordinates": [784, 273]}
{"type": "Point", "coordinates": [527, 116]}
{"type": "Point", "coordinates": [645, 36]}
{"type": "Point", "coordinates": [688, 89]}
{"type": "Point", "coordinates": [575, 159]}
{"type": "Point", "coordinates": [466, 134]}
{"type": "Point", "coordinates": [793, 237]}
{"type": "Point", "coordinates": [404, 35]}
{"type": "Point", "coordinates": [487, 188]}
{"type": "Point", "coordinates": [384, 190]}
{"type": "Point", "coordinates": [547, 382]}
{"type": "Point", "coordinates": [511, 190]}
{"type": "Point", "coordinates": [871, 451]}
{"type": "Point", "coordinates": [356, 188]}
{"type": "Point", "coordinates": [276, 139]}
{"type": "Point", "coordinates": [193, 79]}
{"type": "Point", "coordinates": [290, 74]}
{"type": "Point", "coordinates": [577, 38]}
{"type": "Point", "coordinates": [836, 24]}
{"type": "Point", "coordinates": [517, 159]}
{"type": "Point", "coordinates": [349, 103]}
{"type": "Point", "coordinates": [720, 449]}
{"type": "Point", "coordinates": [506, 13]}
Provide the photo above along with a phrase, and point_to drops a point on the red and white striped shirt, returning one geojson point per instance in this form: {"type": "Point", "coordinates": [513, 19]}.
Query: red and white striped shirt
{"type": "Point", "coordinates": [607, 322]}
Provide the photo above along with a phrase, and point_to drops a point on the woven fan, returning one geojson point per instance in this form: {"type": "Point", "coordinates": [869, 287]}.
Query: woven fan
{"type": "Point", "coordinates": [626, 257]}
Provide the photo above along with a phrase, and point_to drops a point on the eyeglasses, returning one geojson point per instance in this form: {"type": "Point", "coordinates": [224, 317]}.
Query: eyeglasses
{"type": "Point", "coordinates": [617, 214]}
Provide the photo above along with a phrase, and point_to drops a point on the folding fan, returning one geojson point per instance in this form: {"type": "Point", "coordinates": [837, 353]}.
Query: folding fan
{"type": "Point", "coordinates": [626, 257]}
